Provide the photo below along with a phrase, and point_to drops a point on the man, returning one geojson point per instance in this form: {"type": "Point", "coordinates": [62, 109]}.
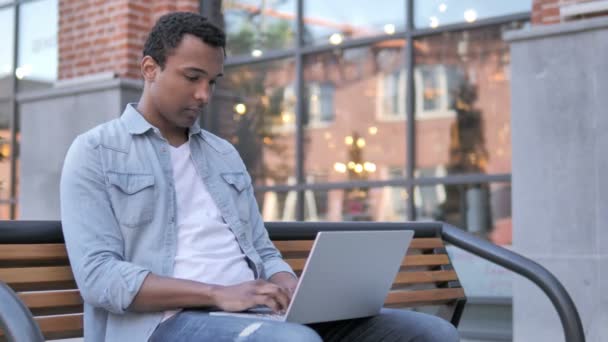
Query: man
{"type": "Point", "coordinates": [161, 223]}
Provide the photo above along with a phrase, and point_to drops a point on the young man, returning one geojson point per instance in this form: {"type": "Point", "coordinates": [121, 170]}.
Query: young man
{"type": "Point", "coordinates": [161, 223]}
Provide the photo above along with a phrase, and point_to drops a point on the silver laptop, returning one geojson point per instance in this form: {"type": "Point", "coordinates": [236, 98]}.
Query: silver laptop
{"type": "Point", "coordinates": [347, 275]}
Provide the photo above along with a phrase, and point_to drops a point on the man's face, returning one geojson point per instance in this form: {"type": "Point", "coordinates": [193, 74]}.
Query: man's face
{"type": "Point", "coordinates": [185, 85]}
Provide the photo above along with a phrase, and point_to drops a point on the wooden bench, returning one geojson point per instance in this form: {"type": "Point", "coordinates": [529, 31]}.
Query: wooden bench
{"type": "Point", "coordinates": [34, 263]}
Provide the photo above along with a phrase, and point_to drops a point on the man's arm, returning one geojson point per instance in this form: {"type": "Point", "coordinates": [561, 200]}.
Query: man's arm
{"type": "Point", "coordinates": [159, 293]}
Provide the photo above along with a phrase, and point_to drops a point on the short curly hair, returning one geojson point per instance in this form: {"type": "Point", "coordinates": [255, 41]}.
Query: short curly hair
{"type": "Point", "coordinates": [169, 30]}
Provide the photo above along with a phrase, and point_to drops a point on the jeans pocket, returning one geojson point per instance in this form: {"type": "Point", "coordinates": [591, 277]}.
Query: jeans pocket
{"type": "Point", "coordinates": [132, 197]}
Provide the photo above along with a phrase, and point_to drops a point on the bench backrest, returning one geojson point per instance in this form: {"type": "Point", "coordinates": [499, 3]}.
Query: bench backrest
{"type": "Point", "coordinates": [40, 273]}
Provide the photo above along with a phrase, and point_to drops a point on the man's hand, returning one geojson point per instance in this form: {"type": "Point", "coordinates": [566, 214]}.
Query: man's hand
{"type": "Point", "coordinates": [286, 281]}
{"type": "Point", "coordinates": [250, 294]}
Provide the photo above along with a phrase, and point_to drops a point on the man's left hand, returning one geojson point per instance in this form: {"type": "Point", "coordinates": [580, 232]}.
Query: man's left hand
{"type": "Point", "coordinates": [285, 280]}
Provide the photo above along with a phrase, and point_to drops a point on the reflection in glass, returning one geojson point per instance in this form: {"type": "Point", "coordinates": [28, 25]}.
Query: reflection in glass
{"type": "Point", "coordinates": [37, 65]}
{"type": "Point", "coordinates": [356, 204]}
{"type": "Point", "coordinates": [462, 103]}
{"type": "Point", "coordinates": [277, 206]}
{"type": "Point", "coordinates": [332, 22]}
{"type": "Point", "coordinates": [256, 26]}
{"type": "Point", "coordinates": [482, 209]}
{"type": "Point", "coordinates": [6, 53]}
{"type": "Point", "coordinates": [5, 150]}
{"type": "Point", "coordinates": [254, 109]}
{"type": "Point", "coordinates": [436, 13]}
{"type": "Point", "coordinates": [354, 112]}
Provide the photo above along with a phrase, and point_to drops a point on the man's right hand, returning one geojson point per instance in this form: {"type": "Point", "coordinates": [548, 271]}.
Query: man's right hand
{"type": "Point", "coordinates": [250, 294]}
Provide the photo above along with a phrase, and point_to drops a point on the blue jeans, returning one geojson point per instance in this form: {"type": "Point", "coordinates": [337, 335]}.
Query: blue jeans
{"type": "Point", "coordinates": [389, 325]}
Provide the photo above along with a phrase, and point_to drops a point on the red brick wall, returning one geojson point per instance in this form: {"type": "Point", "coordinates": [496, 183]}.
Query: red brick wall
{"type": "Point", "coordinates": [547, 11]}
{"type": "Point", "coordinates": [107, 36]}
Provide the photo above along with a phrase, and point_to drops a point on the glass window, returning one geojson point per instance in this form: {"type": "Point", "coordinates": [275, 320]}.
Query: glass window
{"type": "Point", "coordinates": [256, 26]}
{"type": "Point", "coordinates": [482, 209]}
{"type": "Point", "coordinates": [277, 206]}
{"type": "Point", "coordinates": [5, 150]}
{"type": "Point", "coordinates": [6, 53]}
{"type": "Point", "coordinates": [462, 102]}
{"type": "Point", "coordinates": [254, 107]}
{"type": "Point", "coordinates": [356, 204]}
{"type": "Point", "coordinates": [435, 13]}
{"type": "Point", "coordinates": [332, 22]}
{"type": "Point", "coordinates": [348, 127]}
{"type": "Point", "coordinates": [37, 65]}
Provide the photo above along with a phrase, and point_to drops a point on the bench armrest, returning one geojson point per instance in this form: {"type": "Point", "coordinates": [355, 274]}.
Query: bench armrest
{"type": "Point", "coordinates": [16, 320]}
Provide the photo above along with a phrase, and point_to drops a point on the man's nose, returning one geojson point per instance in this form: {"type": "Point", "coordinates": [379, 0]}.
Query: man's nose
{"type": "Point", "coordinates": [203, 94]}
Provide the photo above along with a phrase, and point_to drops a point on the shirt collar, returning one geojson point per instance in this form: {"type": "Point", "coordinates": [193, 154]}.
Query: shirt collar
{"type": "Point", "coordinates": [137, 124]}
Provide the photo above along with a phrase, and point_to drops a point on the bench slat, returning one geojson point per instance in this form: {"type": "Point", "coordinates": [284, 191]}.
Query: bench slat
{"type": "Point", "coordinates": [41, 276]}
{"type": "Point", "coordinates": [411, 260]}
{"type": "Point", "coordinates": [33, 252]}
{"type": "Point", "coordinates": [406, 278]}
{"type": "Point", "coordinates": [423, 297]}
{"type": "Point", "coordinates": [306, 245]}
{"type": "Point", "coordinates": [46, 299]}
{"type": "Point", "coordinates": [63, 326]}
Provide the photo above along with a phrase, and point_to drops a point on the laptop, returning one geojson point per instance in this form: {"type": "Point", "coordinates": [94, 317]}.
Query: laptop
{"type": "Point", "coordinates": [347, 275]}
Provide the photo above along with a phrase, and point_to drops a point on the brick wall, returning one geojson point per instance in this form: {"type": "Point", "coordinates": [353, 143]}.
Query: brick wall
{"type": "Point", "coordinates": [547, 11]}
{"type": "Point", "coordinates": [107, 36]}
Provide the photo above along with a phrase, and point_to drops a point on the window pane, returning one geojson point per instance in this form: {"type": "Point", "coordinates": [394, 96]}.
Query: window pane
{"type": "Point", "coordinates": [5, 150]}
{"type": "Point", "coordinates": [6, 53]}
{"type": "Point", "coordinates": [278, 206]}
{"type": "Point", "coordinates": [481, 209]}
{"type": "Point", "coordinates": [354, 113]}
{"type": "Point", "coordinates": [37, 65]}
{"type": "Point", "coordinates": [356, 204]}
{"type": "Point", "coordinates": [331, 22]}
{"type": "Point", "coordinates": [435, 13]}
{"type": "Point", "coordinates": [462, 103]}
{"type": "Point", "coordinates": [254, 107]}
{"type": "Point", "coordinates": [255, 26]}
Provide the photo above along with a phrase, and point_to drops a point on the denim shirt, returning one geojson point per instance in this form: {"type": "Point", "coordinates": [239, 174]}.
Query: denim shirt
{"type": "Point", "coordinates": [118, 211]}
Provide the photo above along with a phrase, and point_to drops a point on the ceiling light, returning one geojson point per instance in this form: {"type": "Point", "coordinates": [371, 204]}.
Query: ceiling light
{"type": "Point", "coordinates": [336, 39]}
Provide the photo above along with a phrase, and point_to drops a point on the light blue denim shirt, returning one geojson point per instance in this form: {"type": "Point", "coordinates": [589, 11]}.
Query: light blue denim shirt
{"type": "Point", "coordinates": [118, 212]}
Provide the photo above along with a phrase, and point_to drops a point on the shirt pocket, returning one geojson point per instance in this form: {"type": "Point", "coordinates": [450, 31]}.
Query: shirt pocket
{"type": "Point", "coordinates": [238, 183]}
{"type": "Point", "coordinates": [132, 197]}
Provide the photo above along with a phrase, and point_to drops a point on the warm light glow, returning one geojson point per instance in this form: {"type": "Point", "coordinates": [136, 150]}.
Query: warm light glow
{"type": "Point", "coordinates": [351, 165]}
{"type": "Point", "coordinates": [348, 140]}
{"type": "Point", "coordinates": [268, 140]}
{"type": "Point", "coordinates": [240, 108]}
{"type": "Point", "coordinates": [360, 143]}
{"type": "Point", "coordinates": [369, 167]}
{"type": "Point", "coordinates": [340, 167]}
{"type": "Point", "coordinates": [470, 15]}
{"type": "Point", "coordinates": [358, 168]}
{"type": "Point", "coordinates": [443, 8]}
{"type": "Point", "coordinates": [286, 117]}
{"type": "Point", "coordinates": [433, 22]}
{"type": "Point", "coordinates": [373, 130]}
{"type": "Point", "coordinates": [256, 53]}
{"type": "Point", "coordinates": [314, 98]}
{"type": "Point", "coordinates": [336, 39]}
{"type": "Point", "coordinates": [23, 71]}
{"type": "Point", "coordinates": [327, 135]}
{"type": "Point", "coordinates": [389, 29]}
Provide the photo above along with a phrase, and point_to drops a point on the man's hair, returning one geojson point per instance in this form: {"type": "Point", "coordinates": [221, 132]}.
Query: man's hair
{"type": "Point", "coordinates": [169, 30]}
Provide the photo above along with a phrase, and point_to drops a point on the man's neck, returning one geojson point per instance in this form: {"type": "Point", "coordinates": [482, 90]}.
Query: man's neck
{"type": "Point", "coordinates": [174, 135]}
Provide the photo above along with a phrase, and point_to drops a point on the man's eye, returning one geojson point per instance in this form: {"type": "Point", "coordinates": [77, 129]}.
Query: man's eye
{"type": "Point", "coordinates": [192, 78]}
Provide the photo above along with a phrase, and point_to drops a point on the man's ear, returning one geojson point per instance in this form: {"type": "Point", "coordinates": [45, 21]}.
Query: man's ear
{"type": "Point", "coordinates": [149, 68]}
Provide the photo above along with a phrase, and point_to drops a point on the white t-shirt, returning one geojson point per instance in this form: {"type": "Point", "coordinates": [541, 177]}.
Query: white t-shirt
{"type": "Point", "coordinates": [207, 250]}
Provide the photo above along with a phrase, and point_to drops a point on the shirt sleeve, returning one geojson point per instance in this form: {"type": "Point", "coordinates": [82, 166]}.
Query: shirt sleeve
{"type": "Point", "coordinates": [92, 235]}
